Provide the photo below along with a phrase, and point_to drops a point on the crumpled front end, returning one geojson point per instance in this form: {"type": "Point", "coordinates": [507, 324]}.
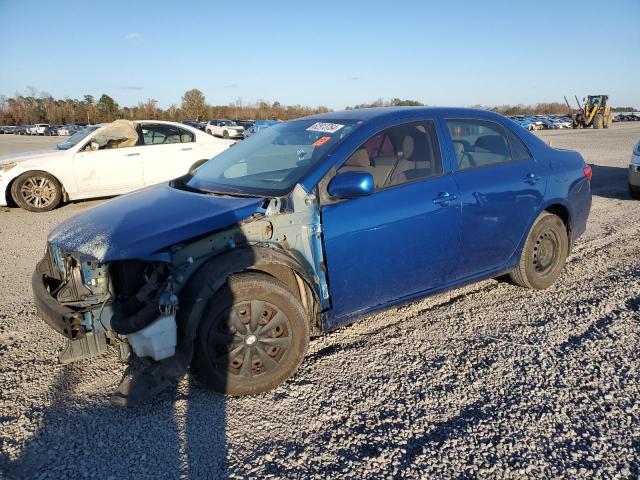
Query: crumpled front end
{"type": "Point", "coordinates": [94, 304]}
{"type": "Point", "coordinates": [150, 299]}
{"type": "Point", "coordinates": [66, 288]}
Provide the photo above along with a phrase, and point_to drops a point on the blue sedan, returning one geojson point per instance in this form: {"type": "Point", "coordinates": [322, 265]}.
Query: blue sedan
{"type": "Point", "coordinates": [303, 228]}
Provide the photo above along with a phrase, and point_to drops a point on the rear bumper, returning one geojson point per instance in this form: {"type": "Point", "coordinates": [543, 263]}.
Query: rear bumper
{"type": "Point", "coordinates": [62, 319]}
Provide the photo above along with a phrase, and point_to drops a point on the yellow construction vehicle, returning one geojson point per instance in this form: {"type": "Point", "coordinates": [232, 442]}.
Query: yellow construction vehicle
{"type": "Point", "coordinates": [594, 113]}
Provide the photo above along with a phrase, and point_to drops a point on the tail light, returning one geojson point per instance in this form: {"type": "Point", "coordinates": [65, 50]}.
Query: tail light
{"type": "Point", "coordinates": [588, 173]}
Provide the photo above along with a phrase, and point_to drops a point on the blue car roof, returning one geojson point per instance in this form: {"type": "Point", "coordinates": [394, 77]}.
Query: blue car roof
{"type": "Point", "coordinates": [391, 113]}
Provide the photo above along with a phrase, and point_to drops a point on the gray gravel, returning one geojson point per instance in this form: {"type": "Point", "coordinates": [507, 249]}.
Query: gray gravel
{"type": "Point", "coordinates": [489, 380]}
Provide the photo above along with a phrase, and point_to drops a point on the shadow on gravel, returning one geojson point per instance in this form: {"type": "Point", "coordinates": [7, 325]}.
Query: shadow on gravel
{"type": "Point", "coordinates": [177, 436]}
{"type": "Point", "coordinates": [610, 182]}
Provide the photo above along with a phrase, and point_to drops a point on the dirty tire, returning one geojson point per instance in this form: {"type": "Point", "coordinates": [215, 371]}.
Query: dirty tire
{"type": "Point", "coordinates": [598, 121]}
{"type": "Point", "coordinates": [36, 191]}
{"type": "Point", "coordinates": [634, 192]}
{"type": "Point", "coordinates": [544, 253]}
{"type": "Point", "coordinates": [252, 337]}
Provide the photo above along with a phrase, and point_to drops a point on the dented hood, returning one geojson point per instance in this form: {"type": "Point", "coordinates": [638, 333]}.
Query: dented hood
{"type": "Point", "coordinates": [137, 225]}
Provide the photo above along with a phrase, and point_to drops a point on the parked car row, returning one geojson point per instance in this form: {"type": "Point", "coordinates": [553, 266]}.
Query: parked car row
{"type": "Point", "coordinates": [226, 128]}
{"type": "Point", "coordinates": [627, 117]}
{"type": "Point", "coordinates": [40, 129]}
{"type": "Point", "coordinates": [542, 122]}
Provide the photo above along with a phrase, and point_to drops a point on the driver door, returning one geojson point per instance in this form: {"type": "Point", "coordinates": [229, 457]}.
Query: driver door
{"type": "Point", "coordinates": [109, 171]}
{"type": "Point", "coordinates": [404, 238]}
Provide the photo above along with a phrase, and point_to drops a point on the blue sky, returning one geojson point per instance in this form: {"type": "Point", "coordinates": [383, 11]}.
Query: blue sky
{"type": "Point", "coordinates": [332, 53]}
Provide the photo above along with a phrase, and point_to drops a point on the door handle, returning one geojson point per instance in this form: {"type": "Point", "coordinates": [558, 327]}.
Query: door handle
{"type": "Point", "coordinates": [443, 199]}
{"type": "Point", "coordinates": [531, 178]}
{"type": "Point", "coordinates": [185, 149]}
{"type": "Point", "coordinates": [132, 154]}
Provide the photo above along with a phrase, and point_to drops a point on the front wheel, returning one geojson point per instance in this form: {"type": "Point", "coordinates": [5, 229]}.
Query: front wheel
{"type": "Point", "coordinates": [36, 191]}
{"type": "Point", "coordinates": [544, 253]}
{"type": "Point", "coordinates": [225, 134]}
{"type": "Point", "coordinates": [634, 192]}
{"type": "Point", "coordinates": [252, 337]}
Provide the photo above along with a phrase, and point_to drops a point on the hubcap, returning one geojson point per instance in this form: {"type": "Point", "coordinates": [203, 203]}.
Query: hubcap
{"type": "Point", "coordinates": [250, 339]}
{"type": "Point", "coordinates": [545, 252]}
{"type": "Point", "coordinates": [38, 192]}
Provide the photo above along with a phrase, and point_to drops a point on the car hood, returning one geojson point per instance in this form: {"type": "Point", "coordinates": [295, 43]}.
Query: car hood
{"type": "Point", "coordinates": [35, 155]}
{"type": "Point", "coordinates": [137, 225]}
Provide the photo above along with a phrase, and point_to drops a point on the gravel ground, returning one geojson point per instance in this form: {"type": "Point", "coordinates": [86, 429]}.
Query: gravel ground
{"type": "Point", "coordinates": [489, 380]}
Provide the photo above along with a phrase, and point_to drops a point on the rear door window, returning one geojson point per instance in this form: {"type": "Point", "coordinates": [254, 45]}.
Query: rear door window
{"type": "Point", "coordinates": [479, 143]}
{"type": "Point", "coordinates": [156, 134]}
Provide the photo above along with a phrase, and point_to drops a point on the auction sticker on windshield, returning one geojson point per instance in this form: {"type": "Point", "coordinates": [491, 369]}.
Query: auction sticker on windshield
{"type": "Point", "coordinates": [321, 141]}
{"type": "Point", "coordinates": [325, 127]}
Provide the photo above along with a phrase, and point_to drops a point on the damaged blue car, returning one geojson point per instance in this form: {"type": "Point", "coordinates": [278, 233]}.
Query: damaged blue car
{"type": "Point", "coordinates": [300, 229]}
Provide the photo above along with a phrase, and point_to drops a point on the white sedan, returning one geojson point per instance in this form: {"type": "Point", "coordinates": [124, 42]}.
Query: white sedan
{"type": "Point", "coordinates": [104, 160]}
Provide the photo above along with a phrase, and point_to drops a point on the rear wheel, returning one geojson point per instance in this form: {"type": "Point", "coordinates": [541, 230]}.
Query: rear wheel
{"type": "Point", "coordinates": [598, 121]}
{"type": "Point", "coordinates": [544, 253]}
{"type": "Point", "coordinates": [634, 191]}
{"type": "Point", "coordinates": [252, 337]}
{"type": "Point", "coordinates": [36, 191]}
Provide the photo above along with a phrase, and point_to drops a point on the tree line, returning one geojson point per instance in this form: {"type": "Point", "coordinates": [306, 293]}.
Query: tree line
{"type": "Point", "coordinates": [40, 107]}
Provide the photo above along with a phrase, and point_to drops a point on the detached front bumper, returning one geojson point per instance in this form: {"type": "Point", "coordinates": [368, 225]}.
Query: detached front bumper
{"type": "Point", "coordinates": [62, 319]}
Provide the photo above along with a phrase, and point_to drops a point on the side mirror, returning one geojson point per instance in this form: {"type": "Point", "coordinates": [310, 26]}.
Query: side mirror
{"type": "Point", "coordinates": [94, 145]}
{"type": "Point", "coordinates": [351, 185]}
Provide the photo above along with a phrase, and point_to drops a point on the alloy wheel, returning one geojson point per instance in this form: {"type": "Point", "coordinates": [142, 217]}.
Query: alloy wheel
{"type": "Point", "coordinates": [39, 192]}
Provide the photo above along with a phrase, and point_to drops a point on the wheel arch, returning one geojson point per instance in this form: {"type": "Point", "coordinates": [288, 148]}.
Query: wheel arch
{"type": "Point", "coordinates": [213, 274]}
{"type": "Point", "coordinates": [562, 211]}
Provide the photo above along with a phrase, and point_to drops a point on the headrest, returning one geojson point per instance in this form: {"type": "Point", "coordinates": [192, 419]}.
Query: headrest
{"type": "Point", "coordinates": [494, 143]}
{"type": "Point", "coordinates": [408, 146]}
{"type": "Point", "coordinates": [459, 148]}
{"type": "Point", "coordinates": [359, 159]}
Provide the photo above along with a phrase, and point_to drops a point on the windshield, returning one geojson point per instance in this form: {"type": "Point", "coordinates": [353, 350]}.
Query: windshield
{"type": "Point", "coordinates": [272, 161]}
{"type": "Point", "coordinates": [77, 137]}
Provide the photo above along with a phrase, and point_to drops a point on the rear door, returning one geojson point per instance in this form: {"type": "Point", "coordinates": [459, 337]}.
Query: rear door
{"type": "Point", "coordinates": [169, 152]}
{"type": "Point", "coordinates": [404, 238]}
{"type": "Point", "coordinates": [501, 187]}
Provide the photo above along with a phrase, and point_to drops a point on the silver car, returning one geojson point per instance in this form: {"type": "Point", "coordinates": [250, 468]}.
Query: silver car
{"type": "Point", "coordinates": [634, 172]}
